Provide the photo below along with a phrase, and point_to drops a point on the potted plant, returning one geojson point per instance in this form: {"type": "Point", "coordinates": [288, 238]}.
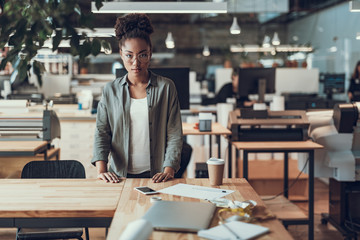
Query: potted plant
{"type": "Point", "coordinates": [26, 25]}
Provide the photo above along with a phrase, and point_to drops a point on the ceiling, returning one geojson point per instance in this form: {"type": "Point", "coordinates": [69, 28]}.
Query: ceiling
{"type": "Point", "coordinates": [247, 11]}
{"type": "Point", "coordinates": [192, 31]}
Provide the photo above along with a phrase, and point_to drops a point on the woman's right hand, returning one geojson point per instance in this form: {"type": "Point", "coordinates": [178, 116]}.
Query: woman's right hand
{"type": "Point", "coordinates": [109, 177]}
{"type": "Point", "coordinates": [104, 174]}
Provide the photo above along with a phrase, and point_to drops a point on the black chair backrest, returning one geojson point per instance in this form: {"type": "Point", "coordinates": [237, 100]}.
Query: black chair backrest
{"type": "Point", "coordinates": [53, 169]}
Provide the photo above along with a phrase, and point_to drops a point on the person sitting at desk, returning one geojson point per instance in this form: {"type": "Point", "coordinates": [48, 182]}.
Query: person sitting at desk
{"type": "Point", "coordinates": [230, 90]}
{"type": "Point", "coordinates": [354, 89]}
{"type": "Point", "coordinates": [138, 118]}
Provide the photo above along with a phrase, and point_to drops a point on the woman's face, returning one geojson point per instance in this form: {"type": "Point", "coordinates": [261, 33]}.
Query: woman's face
{"type": "Point", "coordinates": [358, 68]}
{"type": "Point", "coordinates": [136, 54]}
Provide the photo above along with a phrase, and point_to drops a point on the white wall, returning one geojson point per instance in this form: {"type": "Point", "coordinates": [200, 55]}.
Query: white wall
{"type": "Point", "coordinates": [335, 26]}
{"type": "Point", "coordinates": [222, 77]}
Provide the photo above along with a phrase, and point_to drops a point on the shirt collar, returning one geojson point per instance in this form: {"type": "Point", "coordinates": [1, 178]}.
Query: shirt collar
{"type": "Point", "coordinates": [152, 80]}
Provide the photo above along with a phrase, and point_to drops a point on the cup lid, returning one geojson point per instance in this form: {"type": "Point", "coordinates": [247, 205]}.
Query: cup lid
{"type": "Point", "coordinates": [215, 161]}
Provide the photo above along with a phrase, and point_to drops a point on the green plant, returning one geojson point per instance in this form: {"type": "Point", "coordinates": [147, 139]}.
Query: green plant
{"type": "Point", "coordinates": [25, 26]}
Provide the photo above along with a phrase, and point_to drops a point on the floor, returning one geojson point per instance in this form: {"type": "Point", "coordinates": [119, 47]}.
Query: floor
{"type": "Point", "coordinates": [322, 232]}
{"type": "Point", "coordinates": [299, 232]}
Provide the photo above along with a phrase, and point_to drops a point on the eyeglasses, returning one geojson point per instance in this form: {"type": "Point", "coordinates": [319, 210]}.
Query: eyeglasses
{"type": "Point", "coordinates": [143, 57]}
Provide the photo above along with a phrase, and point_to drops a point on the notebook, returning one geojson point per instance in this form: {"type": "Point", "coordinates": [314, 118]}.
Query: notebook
{"type": "Point", "coordinates": [242, 230]}
{"type": "Point", "coordinates": [180, 216]}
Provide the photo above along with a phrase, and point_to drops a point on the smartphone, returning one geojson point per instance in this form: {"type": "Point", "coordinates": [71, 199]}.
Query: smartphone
{"type": "Point", "coordinates": [146, 190]}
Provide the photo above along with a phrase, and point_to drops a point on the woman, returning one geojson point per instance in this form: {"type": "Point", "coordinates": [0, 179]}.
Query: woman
{"type": "Point", "coordinates": [230, 90]}
{"type": "Point", "coordinates": [138, 120]}
{"type": "Point", "coordinates": [354, 89]}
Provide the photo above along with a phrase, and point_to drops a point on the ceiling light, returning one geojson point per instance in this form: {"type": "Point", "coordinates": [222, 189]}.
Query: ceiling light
{"type": "Point", "coordinates": [275, 40]}
{"type": "Point", "coordinates": [332, 49]}
{"type": "Point", "coordinates": [97, 32]}
{"type": "Point", "coordinates": [271, 49]}
{"type": "Point", "coordinates": [266, 42]}
{"type": "Point", "coordinates": [293, 48]}
{"type": "Point", "coordinates": [358, 36]}
{"type": "Point", "coordinates": [206, 51]}
{"type": "Point", "coordinates": [170, 41]}
{"type": "Point", "coordinates": [161, 7]}
{"type": "Point", "coordinates": [354, 6]}
{"type": "Point", "coordinates": [235, 28]}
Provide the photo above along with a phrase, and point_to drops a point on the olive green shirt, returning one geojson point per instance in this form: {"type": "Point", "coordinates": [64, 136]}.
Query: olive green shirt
{"type": "Point", "coordinates": [112, 133]}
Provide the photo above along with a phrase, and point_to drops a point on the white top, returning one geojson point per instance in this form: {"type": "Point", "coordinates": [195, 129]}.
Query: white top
{"type": "Point", "coordinates": [139, 161]}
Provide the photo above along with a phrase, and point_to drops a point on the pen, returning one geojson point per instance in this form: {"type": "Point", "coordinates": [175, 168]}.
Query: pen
{"type": "Point", "coordinates": [230, 230]}
{"type": "Point", "coordinates": [210, 189]}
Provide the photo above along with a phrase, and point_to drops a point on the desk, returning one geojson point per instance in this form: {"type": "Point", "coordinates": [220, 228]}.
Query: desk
{"type": "Point", "coordinates": [57, 202]}
{"type": "Point", "coordinates": [133, 205]}
{"type": "Point", "coordinates": [216, 129]}
{"type": "Point", "coordinates": [286, 148]}
{"type": "Point", "coordinates": [23, 148]}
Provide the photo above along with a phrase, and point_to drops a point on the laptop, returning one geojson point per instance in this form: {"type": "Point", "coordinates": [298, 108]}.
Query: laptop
{"type": "Point", "coordinates": [180, 216]}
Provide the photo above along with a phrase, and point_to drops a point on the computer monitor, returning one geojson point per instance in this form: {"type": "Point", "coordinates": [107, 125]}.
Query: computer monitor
{"type": "Point", "coordinates": [256, 81]}
{"type": "Point", "coordinates": [179, 75]}
{"type": "Point", "coordinates": [333, 83]}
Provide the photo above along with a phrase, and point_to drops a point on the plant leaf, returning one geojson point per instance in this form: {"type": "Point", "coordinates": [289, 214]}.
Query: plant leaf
{"type": "Point", "coordinates": [23, 70]}
{"type": "Point", "coordinates": [85, 50]}
{"type": "Point", "coordinates": [38, 69]}
{"type": "Point", "coordinates": [56, 39]}
{"type": "Point", "coordinates": [96, 47]}
{"type": "Point", "coordinates": [27, 24]}
{"type": "Point", "coordinates": [98, 4]}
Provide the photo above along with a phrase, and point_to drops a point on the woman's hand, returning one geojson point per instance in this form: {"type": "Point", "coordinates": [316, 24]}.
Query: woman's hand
{"type": "Point", "coordinates": [164, 176]}
{"type": "Point", "coordinates": [109, 177]}
{"type": "Point", "coordinates": [103, 174]}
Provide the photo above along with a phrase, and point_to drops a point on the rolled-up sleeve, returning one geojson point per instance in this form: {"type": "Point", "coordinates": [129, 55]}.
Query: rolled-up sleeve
{"type": "Point", "coordinates": [102, 139]}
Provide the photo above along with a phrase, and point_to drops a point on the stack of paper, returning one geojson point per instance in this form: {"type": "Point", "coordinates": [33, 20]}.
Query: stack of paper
{"type": "Point", "coordinates": [233, 230]}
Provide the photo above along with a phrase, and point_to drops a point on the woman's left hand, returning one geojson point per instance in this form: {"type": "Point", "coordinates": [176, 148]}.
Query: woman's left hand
{"type": "Point", "coordinates": [164, 176]}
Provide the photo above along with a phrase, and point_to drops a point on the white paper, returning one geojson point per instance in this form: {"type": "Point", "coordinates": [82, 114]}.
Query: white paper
{"type": "Point", "coordinates": [194, 191]}
{"type": "Point", "coordinates": [242, 230]}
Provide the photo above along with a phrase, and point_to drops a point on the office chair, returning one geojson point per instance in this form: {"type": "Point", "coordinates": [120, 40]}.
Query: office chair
{"type": "Point", "coordinates": [186, 152]}
{"type": "Point", "coordinates": [52, 169]}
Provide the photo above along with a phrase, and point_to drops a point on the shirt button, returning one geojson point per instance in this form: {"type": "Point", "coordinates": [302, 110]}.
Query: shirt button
{"type": "Point", "coordinates": [150, 139]}
{"type": "Point", "coordinates": [150, 123]}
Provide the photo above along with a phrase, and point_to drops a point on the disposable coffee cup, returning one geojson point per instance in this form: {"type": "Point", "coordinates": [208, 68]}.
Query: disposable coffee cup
{"type": "Point", "coordinates": [215, 170]}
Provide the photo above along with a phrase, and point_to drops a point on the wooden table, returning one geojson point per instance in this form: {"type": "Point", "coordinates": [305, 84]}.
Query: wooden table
{"type": "Point", "coordinates": [133, 205]}
{"type": "Point", "coordinates": [23, 148]}
{"type": "Point", "coordinates": [57, 202]}
{"type": "Point", "coordinates": [286, 147]}
{"type": "Point", "coordinates": [216, 129]}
